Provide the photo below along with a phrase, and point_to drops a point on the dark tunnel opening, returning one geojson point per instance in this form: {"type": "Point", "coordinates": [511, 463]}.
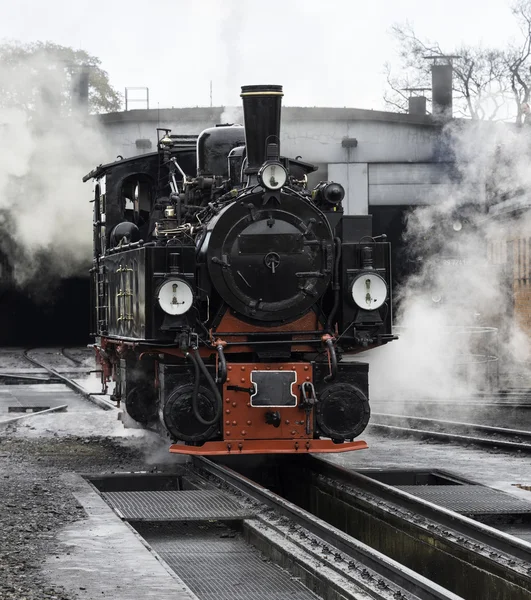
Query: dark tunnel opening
{"type": "Point", "coordinates": [47, 316]}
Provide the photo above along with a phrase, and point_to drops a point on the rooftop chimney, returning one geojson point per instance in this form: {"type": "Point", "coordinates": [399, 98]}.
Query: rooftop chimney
{"type": "Point", "coordinates": [417, 105]}
{"type": "Point", "coordinates": [80, 89]}
{"type": "Point", "coordinates": [441, 85]}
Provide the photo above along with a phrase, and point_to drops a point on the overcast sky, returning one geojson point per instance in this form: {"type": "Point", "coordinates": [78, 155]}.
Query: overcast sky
{"type": "Point", "coordinates": [324, 52]}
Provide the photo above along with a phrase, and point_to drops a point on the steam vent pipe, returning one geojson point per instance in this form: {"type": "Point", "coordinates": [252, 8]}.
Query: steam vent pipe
{"type": "Point", "coordinates": [261, 114]}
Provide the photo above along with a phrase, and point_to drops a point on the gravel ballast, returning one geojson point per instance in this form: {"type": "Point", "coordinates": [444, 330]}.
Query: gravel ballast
{"type": "Point", "coordinates": [35, 503]}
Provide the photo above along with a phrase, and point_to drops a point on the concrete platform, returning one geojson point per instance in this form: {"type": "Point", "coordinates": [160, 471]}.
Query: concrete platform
{"type": "Point", "coordinates": [105, 558]}
{"type": "Point", "coordinates": [81, 417]}
{"type": "Point", "coordinates": [25, 396]}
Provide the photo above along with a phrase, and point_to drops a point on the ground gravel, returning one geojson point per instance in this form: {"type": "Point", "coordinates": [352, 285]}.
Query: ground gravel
{"type": "Point", "coordinates": [35, 504]}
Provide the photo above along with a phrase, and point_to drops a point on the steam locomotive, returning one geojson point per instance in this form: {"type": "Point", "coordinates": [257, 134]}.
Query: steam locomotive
{"type": "Point", "coordinates": [225, 302]}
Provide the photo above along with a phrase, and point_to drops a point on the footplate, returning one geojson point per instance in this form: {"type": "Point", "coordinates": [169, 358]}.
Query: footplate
{"type": "Point", "coordinates": [300, 446]}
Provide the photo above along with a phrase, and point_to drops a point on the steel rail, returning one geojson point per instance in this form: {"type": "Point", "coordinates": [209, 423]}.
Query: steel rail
{"type": "Point", "coordinates": [73, 385]}
{"type": "Point", "coordinates": [379, 563]}
{"type": "Point", "coordinates": [491, 538]}
{"type": "Point", "coordinates": [12, 420]}
{"type": "Point", "coordinates": [491, 564]}
{"type": "Point", "coordinates": [407, 428]}
{"type": "Point", "coordinates": [25, 377]}
{"type": "Point", "coordinates": [458, 425]}
{"type": "Point", "coordinates": [501, 404]}
{"type": "Point", "coordinates": [75, 361]}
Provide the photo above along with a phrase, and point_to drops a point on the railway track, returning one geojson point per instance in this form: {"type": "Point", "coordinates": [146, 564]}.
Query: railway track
{"type": "Point", "coordinates": [11, 371]}
{"type": "Point", "coordinates": [19, 365]}
{"type": "Point", "coordinates": [75, 361]}
{"type": "Point", "coordinates": [459, 553]}
{"type": "Point", "coordinates": [326, 560]}
{"type": "Point", "coordinates": [365, 525]}
{"type": "Point", "coordinates": [452, 431]}
{"type": "Point", "coordinates": [94, 397]}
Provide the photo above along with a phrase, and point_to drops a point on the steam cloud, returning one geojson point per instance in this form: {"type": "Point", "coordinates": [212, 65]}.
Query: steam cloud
{"type": "Point", "coordinates": [232, 115]}
{"type": "Point", "coordinates": [455, 310]}
{"type": "Point", "coordinates": [45, 214]}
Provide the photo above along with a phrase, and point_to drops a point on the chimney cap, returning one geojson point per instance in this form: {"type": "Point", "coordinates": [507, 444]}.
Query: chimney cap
{"type": "Point", "coordinates": [448, 57]}
{"type": "Point", "coordinates": [261, 90]}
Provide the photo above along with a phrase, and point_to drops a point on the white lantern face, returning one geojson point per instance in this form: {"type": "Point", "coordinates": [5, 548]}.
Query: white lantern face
{"type": "Point", "coordinates": [273, 176]}
{"type": "Point", "coordinates": [175, 297]}
{"type": "Point", "coordinates": [369, 291]}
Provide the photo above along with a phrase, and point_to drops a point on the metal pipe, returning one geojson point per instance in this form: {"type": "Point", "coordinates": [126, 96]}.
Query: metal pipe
{"type": "Point", "coordinates": [333, 360]}
{"type": "Point", "coordinates": [335, 287]}
{"type": "Point", "coordinates": [222, 377]}
{"type": "Point", "coordinates": [174, 161]}
{"type": "Point", "coordinates": [199, 367]}
{"type": "Point", "coordinates": [261, 343]}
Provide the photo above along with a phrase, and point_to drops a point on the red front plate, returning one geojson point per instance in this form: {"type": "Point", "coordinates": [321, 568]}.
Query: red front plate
{"type": "Point", "coordinates": [300, 446]}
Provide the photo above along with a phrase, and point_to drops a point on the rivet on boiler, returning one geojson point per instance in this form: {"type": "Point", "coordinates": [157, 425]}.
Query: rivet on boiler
{"type": "Point", "coordinates": [234, 423]}
{"type": "Point", "coordinates": [230, 368]}
{"type": "Point", "coordinates": [227, 399]}
{"type": "Point", "coordinates": [243, 368]}
{"type": "Point", "coordinates": [306, 367]}
{"type": "Point", "coordinates": [234, 404]}
{"type": "Point", "coordinates": [293, 432]}
{"type": "Point", "coordinates": [242, 380]}
{"type": "Point", "coordinates": [227, 422]}
{"type": "Point", "coordinates": [227, 433]}
{"type": "Point", "coordinates": [243, 432]}
{"type": "Point", "coordinates": [281, 368]}
{"type": "Point", "coordinates": [227, 411]}
{"type": "Point", "coordinates": [248, 422]}
{"type": "Point", "coordinates": [287, 421]}
{"type": "Point", "coordinates": [307, 379]}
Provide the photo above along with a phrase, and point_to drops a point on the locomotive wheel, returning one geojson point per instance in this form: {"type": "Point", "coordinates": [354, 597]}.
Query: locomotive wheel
{"type": "Point", "coordinates": [141, 403]}
{"type": "Point", "coordinates": [178, 416]}
{"type": "Point", "coordinates": [343, 411]}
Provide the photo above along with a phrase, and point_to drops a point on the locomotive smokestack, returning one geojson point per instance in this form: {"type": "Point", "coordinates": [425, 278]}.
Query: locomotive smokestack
{"type": "Point", "coordinates": [261, 114]}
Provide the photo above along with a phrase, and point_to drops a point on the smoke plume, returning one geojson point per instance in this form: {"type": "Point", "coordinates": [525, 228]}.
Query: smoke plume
{"type": "Point", "coordinates": [46, 146]}
{"type": "Point", "coordinates": [458, 330]}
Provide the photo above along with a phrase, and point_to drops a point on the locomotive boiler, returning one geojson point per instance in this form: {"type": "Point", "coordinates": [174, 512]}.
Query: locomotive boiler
{"type": "Point", "coordinates": [228, 297]}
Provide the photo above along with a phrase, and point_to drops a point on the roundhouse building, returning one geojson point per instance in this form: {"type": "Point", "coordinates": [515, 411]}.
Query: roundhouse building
{"type": "Point", "coordinates": [386, 161]}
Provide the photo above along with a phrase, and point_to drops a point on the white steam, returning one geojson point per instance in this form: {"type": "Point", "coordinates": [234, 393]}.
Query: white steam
{"type": "Point", "coordinates": [456, 314]}
{"type": "Point", "coordinates": [45, 149]}
{"type": "Point", "coordinates": [232, 115]}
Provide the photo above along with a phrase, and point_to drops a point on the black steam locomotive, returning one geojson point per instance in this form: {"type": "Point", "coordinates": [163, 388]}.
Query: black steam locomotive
{"type": "Point", "coordinates": [225, 301]}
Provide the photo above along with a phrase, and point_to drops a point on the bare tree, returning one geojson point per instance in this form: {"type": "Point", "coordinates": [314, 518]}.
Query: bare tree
{"type": "Point", "coordinates": [488, 83]}
{"type": "Point", "coordinates": [519, 58]}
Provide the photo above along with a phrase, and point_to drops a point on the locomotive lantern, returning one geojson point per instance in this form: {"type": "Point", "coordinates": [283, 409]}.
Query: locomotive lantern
{"type": "Point", "coordinates": [228, 297]}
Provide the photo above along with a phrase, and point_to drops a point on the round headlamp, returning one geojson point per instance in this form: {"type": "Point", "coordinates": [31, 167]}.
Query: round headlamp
{"type": "Point", "coordinates": [175, 297]}
{"type": "Point", "coordinates": [369, 291]}
{"type": "Point", "coordinates": [272, 175]}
